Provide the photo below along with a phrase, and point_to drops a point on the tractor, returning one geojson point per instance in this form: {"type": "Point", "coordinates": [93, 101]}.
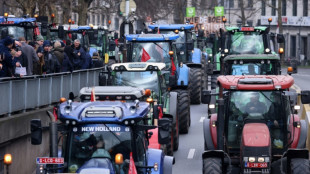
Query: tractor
{"type": "Point", "coordinates": [255, 129]}
{"type": "Point", "coordinates": [155, 80]}
{"type": "Point", "coordinates": [18, 27]}
{"type": "Point", "coordinates": [189, 56]}
{"type": "Point", "coordinates": [102, 137]}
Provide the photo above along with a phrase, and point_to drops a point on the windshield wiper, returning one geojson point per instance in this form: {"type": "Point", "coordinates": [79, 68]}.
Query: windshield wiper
{"type": "Point", "coordinates": [160, 47]}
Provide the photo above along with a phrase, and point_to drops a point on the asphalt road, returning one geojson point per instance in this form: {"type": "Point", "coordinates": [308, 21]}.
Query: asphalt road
{"type": "Point", "coordinates": [188, 157]}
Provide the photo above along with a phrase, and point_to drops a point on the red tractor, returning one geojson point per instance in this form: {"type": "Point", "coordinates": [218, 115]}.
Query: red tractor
{"type": "Point", "coordinates": [255, 129]}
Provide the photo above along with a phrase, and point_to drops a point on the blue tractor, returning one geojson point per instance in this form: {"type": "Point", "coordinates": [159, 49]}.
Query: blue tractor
{"type": "Point", "coordinates": [102, 137]}
{"type": "Point", "coordinates": [187, 54]}
{"type": "Point", "coordinates": [160, 48]}
{"type": "Point", "coordinates": [18, 27]}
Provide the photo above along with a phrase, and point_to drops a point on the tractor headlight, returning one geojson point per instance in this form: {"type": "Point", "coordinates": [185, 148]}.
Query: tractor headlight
{"type": "Point", "coordinates": [211, 106]}
{"type": "Point", "coordinates": [252, 159]}
{"type": "Point", "coordinates": [261, 159]}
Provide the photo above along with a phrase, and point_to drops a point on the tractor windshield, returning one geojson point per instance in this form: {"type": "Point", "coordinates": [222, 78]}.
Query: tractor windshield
{"type": "Point", "coordinates": [180, 44]}
{"type": "Point", "coordinates": [268, 106]}
{"type": "Point", "coordinates": [139, 79]}
{"type": "Point", "coordinates": [246, 43]}
{"type": "Point", "coordinates": [53, 35]}
{"type": "Point", "coordinates": [14, 31]}
{"type": "Point", "coordinates": [151, 52]}
{"type": "Point", "coordinates": [94, 141]}
{"type": "Point", "coordinates": [263, 67]}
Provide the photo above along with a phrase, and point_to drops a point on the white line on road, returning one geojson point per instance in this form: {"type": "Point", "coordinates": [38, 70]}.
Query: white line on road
{"type": "Point", "coordinates": [201, 119]}
{"type": "Point", "coordinates": [191, 154]}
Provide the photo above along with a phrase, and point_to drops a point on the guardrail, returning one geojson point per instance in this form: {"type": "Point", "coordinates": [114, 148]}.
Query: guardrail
{"type": "Point", "coordinates": [30, 92]}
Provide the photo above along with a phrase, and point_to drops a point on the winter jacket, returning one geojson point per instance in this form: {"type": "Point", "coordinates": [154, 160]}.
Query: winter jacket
{"type": "Point", "coordinates": [31, 56]}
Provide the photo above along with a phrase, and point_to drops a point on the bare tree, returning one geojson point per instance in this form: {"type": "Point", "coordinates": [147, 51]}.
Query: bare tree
{"type": "Point", "coordinates": [27, 6]}
{"type": "Point", "coordinates": [82, 8]}
{"type": "Point", "coordinates": [106, 7]}
{"type": "Point", "coordinates": [246, 12]}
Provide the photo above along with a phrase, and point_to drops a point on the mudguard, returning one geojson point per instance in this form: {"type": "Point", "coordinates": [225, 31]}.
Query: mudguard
{"type": "Point", "coordinates": [303, 134]}
{"type": "Point", "coordinates": [173, 105]}
{"type": "Point", "coordinates": [154, 139]}
{"type": "Point", "coordinates": [168, 162]}
{"type": "Point", "coordinates": [155, 156]}
{"type": "Point", "coordinates": [92, 50]}
{"type": "Point", "coordinates": [196, 56]}
{"type": "Point", "coordinates": [213, 153]}
{"type": "Point", "coordinates": [207, 135]}
{"type": "Point", "coordinates": [297, 131]}
{"type": "Point", "coordinates": [183, 77]}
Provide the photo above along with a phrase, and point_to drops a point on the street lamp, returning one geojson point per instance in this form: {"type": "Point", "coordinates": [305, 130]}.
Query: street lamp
{"type": "Point", "coordinates": [269, 21]}
{"type": "Point", "coordinates": [7, 161]}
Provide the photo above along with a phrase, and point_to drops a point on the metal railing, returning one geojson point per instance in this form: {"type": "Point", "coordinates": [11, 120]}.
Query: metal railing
{"type": "Point", "coordinates": [30, 92]}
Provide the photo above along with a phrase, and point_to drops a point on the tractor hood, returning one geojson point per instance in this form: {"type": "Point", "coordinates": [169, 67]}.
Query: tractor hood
{"type": "Point", "coordinates": [255, 135]}
{"type": "Point", "coordinates": [96, 166]}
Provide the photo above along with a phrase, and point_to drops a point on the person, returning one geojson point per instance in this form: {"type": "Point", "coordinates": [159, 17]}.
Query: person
{"type": "Point", "coordinates": [6, 59]}
{"type": "Point", "coordinates": [85, 59]}
{"type": "Point", "coordinates": [30, 54]}
{"type": "Point", "coordinates": [62, 58]}
{"type": "Point", "coordinates": [255, 106]}
{"type": "Point", "coordinates": [74, 59]}
{"type": "Point", "coordinates": [97, 61]}
{"type": "Point", "coordinates": [51, 63]}
{"type": "Point", "coordinates": [251, 70]}
{"type": "Point", "coordinates": [19, 60]}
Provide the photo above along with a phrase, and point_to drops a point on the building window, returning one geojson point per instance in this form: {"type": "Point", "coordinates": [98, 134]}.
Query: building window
{"type": "Point", "coordinates": [293, 46]}
{"type": "Point", "coordinates": [294, 7]}
{"type": "Point", "coordinates": [250, 3]}
{"type": "Point", "coordinates": [222, 2]}
{"type": "Point", "coordinates": [98, 20]}
{"type": "Point", "coordinates": [305, 7]}
{"type": "Point", "coordinates": [263, 8]}
{"type": "Point", "coordinates": [94, 19]}
{"type": "Point", "coordinates": [102, 19]}
{"type": "Point", "coordinates": [231, 4]}
{"type": "Point", "coordinates": [283, 7]}
{"type": "Point", "coordinates": [273, 11]}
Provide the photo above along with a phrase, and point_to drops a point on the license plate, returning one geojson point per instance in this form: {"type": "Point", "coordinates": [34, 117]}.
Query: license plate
{"type": "Point", "coordinates": [256, 165]}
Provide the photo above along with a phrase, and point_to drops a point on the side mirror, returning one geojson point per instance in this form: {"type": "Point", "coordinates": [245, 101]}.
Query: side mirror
{"type": "Point", "coordinates": [172, 80]}
{"type": "Point", "coordinates": [112, 45]}
{"type": "Point", "coordinates": [190, 46]}
{"type": "Point", "coordinates": [102, 79]}
{"type": "Point", "coordinates": [36, 132]}
{"type": "Point", "coordinates": [201, 33]}
{"type": "Point", "coordinates": [164, 126]}
{"type": "Point", "coordinates": [71, 96]}
{"type": "Point", "coordinates": [115, 35]}
{"type": "Point", "coordinates": [61, 32]}
{"type": "Point", "coordinates": [44, 29]}
{"type": "Point", "coordinates": [280, 38]}
{"type": "Point", "coordinates": [74, 36]}
{"type": "Point", "coordinates": [206, 97]}
{"type": "Point", "coordinates": [305, 97]}
{"type": "Point", "coordinates": [4, 33]}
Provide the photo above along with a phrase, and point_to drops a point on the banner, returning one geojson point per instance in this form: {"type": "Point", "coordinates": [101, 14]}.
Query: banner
{"type": "Point", "coordinates": [219, 11]}
{"type": "Point", "coordinates": [190, 12]}
{"type": "Point", "coordinates": [210, 24]}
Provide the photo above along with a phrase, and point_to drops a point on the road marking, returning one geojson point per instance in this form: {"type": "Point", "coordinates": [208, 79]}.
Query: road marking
{"type": "Point", "coordinates": [201, 119]}
{"type": "Point", "coordinates": [296, 88]}
{"type": "Point", "coordinates": [191, 153]}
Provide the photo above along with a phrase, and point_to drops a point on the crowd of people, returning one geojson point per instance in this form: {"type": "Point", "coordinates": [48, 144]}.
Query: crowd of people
{"type": "Point", "coordinates": [20, 58]}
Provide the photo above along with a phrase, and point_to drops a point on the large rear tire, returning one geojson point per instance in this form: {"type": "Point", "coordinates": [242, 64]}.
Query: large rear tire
{"type": "Point", "coordinates": [213, 81]}
{"type": "Point", "coordinates": [169, 145]}
{"type": "Point", "coordinates": [300, 165]}
{"type": "Point", "coordinates": [176, 134]}
{"type": "Point", "coordinates": [195, 85]}
{"type": "Point", "coordinates": [212, 166]}
{"type": "Point", "coordinates": [183, 111]}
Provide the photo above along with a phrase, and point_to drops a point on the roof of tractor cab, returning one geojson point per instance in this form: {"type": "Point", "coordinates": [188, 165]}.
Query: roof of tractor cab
{"type": "Point", "coordinates": [256, 82]}
{"type": "Point", "coordinates": [138, 66]}
{"type": "Point", "coordinates": [172, 26]}
{"type": "Point", "coordinates": [16, 20]}
{"type": "Point", "coordinates": [151, 37]}
{"type": "Point", "coordinates": [102, 111]}
{"type": "Point", "coordinates": [112, 92]}
{"type": "Point", "coordinates": [257, 57]}
{"type": "Point", "coordinates": [246, 29]}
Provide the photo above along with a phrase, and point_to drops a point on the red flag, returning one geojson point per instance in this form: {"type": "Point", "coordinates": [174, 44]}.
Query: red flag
{"type": "Point", "coordinates": [55, 113]}
{"type": "Point", "coordinates": [158, 32]}
{"type": "Point", "coordinates": [132, 166]}
{"type": "Point", "coordinates": [36, 30]}
{"type": "Point", "coordinates": [92, 95]}
{"type": "Point", "coordinates": [173, 68]}
{"type": "Point", "coordinates": [160, 114]}
{"type": "Point", "coordinates": [145, 56]}
{"type": "Point", "coordinates": [69, 34]}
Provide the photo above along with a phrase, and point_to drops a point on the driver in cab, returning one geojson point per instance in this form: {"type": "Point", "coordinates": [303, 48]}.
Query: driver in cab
{"type": "Point", "coordinates": [255, 106]}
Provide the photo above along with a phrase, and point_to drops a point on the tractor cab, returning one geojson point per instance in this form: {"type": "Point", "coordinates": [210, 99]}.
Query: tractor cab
{"type": "Point", "coordinates": [18, 27]}
{"type": "Point", "coordinates": [258, 123]}
{"type": "Point", "coordinates": [103, 137]}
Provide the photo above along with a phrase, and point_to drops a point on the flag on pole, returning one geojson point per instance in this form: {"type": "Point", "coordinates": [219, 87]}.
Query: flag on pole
{"type": "Point", "coordinates": [92, 95]}
{"type": "Point", "coordinates": [145, 56]}
{"type": "Point", "coordinates": [132, 166]}
{"type": "Point", "coordinates": [173, 68]}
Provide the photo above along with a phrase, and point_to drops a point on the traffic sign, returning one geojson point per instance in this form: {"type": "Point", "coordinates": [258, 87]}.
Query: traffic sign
{"type": "Point", "coordinates": [219, 11]}
{"type": "Point", "coordinates": [132, 6]}
{"type": "Point", "coordinates": [190, 12]}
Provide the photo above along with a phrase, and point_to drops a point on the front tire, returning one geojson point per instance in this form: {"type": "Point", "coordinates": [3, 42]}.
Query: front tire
{"type": "Point", "coordinates": [212, 166]}
{"type": "Point", "coordinates": [195, 85]}
{"type": "Point", "coordinates": [300, 165]}
{"type": "Point", "coordinates": [183, 111]}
